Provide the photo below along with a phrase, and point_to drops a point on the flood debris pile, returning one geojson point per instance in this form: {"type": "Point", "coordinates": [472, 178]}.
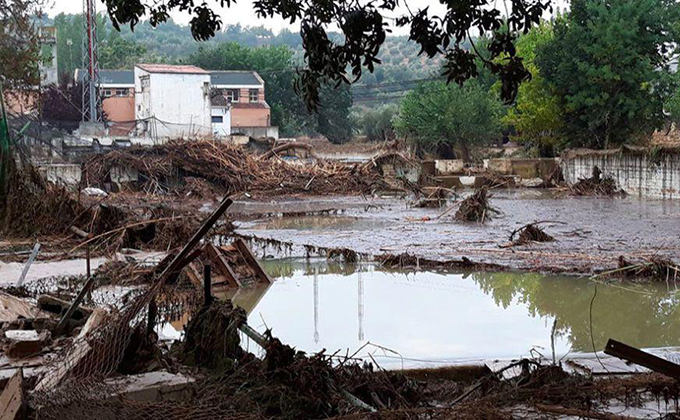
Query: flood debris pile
{"type": "Point", "coordinates": [528, 233]}
{"type": "Point", "coordinates": [211, 337]}
{"type": "Point", "coordinates": [216, 166]}
{"type": "Point", "coordinates": [408, 261]}
{"type": "Point", "coordinates": [476, 207]}
{"type": "Point", "coordinates": [35, 207]}
{"type": "Point", "coordinates": [437, 198]}
{"type": "Point", "coordinates": [596, 185]}
{"type": "Point", "coordinates": [655, 269]}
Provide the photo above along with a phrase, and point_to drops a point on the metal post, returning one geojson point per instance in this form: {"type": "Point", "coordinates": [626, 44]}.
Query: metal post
{"type": "Point", "coordinates": [87, 256]}
{"type": "Point", "coordinates": [151, 319]}
{"type": "Point", "coordinates": [207, 285]}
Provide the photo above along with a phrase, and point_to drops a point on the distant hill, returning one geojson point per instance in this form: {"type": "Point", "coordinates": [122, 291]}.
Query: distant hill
{"type": "Point", "coordinates": [400, 60]}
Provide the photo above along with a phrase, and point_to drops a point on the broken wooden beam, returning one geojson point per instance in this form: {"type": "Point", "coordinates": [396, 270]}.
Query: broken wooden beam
{"type": "Point", "coordinates": [78, 351]}
{"type": "Point", "coordinates": [252, 261]}
{"type": "Point", "coordinates": [79, 232]}
{"type": "Point", "coordinates": [642, 358]}
{"type": "Point", "coordinates": [222, 265]}
{"type": "Point", "coordinates": [254, 335]}
{"type": "Point", "coordinates": [72, 308]}
{"type": "Point", "coordinates": [12, 402]}
{"type": "Point", "coordinates": [175, 264]}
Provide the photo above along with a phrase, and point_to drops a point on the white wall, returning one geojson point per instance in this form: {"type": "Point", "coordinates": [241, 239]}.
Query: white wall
{"type": "Point", "coordinates": [224, 128]}
{"type": "Point", "coordinates": [177, 104]}
{"type": "Point", "coordinates": [637, 174]}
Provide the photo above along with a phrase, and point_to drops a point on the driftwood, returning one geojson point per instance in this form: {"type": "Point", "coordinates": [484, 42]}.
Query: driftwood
{"type": "Point", "coordinates": [288, 146]}
{"type": "Point", "coordinates": [476, 207]}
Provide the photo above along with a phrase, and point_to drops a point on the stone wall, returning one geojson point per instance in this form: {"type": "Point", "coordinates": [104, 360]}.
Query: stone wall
{"type": "Point", "coordinates": [642, 172]}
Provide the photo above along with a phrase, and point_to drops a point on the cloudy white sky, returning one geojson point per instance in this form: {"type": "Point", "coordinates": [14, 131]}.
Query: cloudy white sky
{"type": "Point", "coordinates": [242, 12]}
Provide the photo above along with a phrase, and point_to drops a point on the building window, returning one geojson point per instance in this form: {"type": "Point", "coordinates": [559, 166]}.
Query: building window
{"type": "Point", "coordinates": [108, 93]}
{"type": "Point", "coordinates": [254, 95]}
{"type": "Point", "coordinates": [232, 95]}
{"type": "Point", "coordinates": [122, 92]}
{"type": "Point", "coordinates": [217, 119]}
{"type": "Point", "coordinates": [144, 81]}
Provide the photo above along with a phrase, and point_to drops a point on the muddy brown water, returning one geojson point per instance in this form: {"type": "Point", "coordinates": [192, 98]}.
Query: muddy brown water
{"type": "Point", "coordinates": [430, 319]}
{"type": "Point", "coordinates": [593, 232]}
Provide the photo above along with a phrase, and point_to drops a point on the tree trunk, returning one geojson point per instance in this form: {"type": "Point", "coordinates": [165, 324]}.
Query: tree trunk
{"type": "Point", "coordinates": [464, 152]}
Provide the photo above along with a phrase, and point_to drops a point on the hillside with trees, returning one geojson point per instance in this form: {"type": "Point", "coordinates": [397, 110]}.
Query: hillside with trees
{"type": "Point", "coordinates": [173, 43]}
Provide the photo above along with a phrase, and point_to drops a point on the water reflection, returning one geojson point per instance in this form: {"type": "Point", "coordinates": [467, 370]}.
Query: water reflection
{"type": "Point", "coordinates": [433, 317]}
{"type": "Point", "coordinates": [446, 317]}
{"type": "Point", "coordinates": [643, 316]}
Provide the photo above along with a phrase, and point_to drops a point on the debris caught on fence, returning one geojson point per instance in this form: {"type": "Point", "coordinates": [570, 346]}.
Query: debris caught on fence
{"type": "Point", "coordinates": [596, 185]}
{"type": "Point", "coordinates": [435, 199]}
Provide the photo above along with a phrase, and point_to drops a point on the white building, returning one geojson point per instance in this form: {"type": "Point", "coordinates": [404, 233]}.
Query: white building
{"type": "Point", "coordinates": [220, 115]}
{"type": "Point", "coordinates": [172, 101]}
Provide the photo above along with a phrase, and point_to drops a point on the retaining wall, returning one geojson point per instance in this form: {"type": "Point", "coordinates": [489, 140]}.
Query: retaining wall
{"type": "Point", "coordinates": [643, 172]}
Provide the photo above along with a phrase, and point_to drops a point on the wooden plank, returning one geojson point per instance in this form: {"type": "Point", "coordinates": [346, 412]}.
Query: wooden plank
{"type": "Point", "coordinates": [252, 261]}
{"type": "Point", "coordinates": [12, 397]}
{"type": "Point", "coordinates": [200, 233]}
{"type": "Point", "coordinates": [639, 357]}
{"type": "Point", "coordinates": [71, 309]}
{"type": "Point", "coordinates": [194, 276]}
{"type": "Point", "coordinates": [222, 265]}
{"type": "Point", "coordinates": [79, 349]}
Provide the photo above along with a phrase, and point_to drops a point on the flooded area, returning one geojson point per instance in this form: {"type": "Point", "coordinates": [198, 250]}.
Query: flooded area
{"type": "Point", "coordinates": [438, 318]}
{"type": "Point", "coordinates": [590, 233]}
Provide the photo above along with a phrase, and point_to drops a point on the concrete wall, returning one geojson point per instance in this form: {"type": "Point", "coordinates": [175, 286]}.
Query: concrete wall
{"type": "Point", "coordinates": [221, 129]}
{"type": "Point", "coordinates": [449, 166]}
{"type": "Point", "coordinates": [524, 168]}
{"type": "Point", "coordinates": [255, 132]}
{"type": "Point", "coordinates": [178, 102]}
{"type": "Point", "coordinates": [636, 173]}
{"type": "Point", "coordinates": [61, 173]}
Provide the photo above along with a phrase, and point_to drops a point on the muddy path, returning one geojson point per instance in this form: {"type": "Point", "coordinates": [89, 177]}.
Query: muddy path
{"type": "Point", "coordinates": [590, 236]}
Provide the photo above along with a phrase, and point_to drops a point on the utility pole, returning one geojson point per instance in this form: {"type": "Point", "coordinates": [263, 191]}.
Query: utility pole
{"type": "Point", "coordinates": [92, 102]}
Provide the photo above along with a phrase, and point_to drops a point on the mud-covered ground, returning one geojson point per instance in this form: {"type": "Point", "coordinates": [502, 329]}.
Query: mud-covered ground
{"type": "Point", "coordinates": [590, 236]}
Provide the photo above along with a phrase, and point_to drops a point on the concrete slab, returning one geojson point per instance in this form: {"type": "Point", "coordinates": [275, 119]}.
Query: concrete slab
{"type": "Point", "coordinates": [154, 387]}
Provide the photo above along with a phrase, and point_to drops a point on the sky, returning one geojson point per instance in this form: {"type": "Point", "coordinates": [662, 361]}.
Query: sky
{"type": "Point", "coordinates": [242, 13]}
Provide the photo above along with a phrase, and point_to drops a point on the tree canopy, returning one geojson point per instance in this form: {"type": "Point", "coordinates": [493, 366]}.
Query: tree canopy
{"type": "Point", "coordinates": [19, 48]}
{"type": "Point", "coordinates": [275, 66]}
{"type": "Point", "coordinates": [608, 64]}
{"type": "Point", "coordinates": [364, 29]}
{"type": "Point", "coordinates": [537, 114]}
{"type": "Point", "coordinates": [438, 117]}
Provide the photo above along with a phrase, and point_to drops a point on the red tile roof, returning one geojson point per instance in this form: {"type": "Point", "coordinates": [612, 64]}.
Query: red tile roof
{"type": "Point", "coordinates": [169, 68]}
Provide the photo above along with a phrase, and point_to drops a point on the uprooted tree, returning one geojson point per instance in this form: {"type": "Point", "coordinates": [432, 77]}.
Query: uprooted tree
{"type": "Point", "coordinates": [364, 29]}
